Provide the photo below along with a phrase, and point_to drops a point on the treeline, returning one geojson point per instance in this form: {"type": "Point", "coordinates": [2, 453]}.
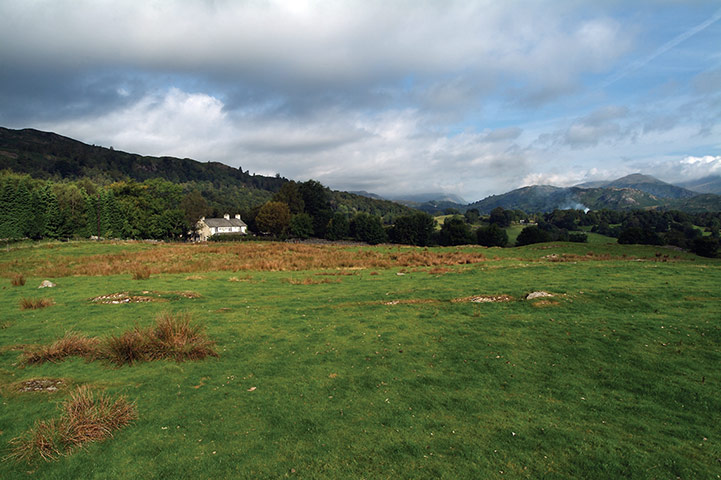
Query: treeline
{"type": "Point", "coordinates": [698, 232]}
{"type": "Point", "coordinates": [35, 209]}
{"type": "Point", "coordinates": [159, 209]}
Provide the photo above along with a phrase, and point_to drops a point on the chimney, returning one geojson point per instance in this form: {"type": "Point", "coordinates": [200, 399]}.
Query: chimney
{"type": "Point", "coordinates": [237, 215]}
{"type": "Point", "coordinates": [226, 216]}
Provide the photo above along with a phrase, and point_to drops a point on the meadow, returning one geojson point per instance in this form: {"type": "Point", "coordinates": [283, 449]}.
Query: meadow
{"type": "Point", "coordinates": [374, 362]}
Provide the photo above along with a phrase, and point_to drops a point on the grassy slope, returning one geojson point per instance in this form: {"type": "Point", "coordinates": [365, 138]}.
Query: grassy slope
{"type": "Point", "coordinates": [619, 379]}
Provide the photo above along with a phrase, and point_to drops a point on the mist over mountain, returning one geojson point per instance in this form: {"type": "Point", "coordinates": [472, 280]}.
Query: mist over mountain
{"type": "Point", "coordinates": [644, 183]}
{"type": "Point", "coordinates": [710, 184]}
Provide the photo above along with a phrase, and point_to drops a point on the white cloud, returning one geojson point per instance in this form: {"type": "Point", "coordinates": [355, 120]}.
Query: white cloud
{"type": "Point", "coordinates": [172, 123]}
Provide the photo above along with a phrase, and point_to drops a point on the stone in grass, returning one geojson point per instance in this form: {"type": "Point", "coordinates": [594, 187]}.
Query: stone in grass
{"type": "Point", "coordinates": [47, 284]}
{"type": "Point", "coordinates": [539, 294]}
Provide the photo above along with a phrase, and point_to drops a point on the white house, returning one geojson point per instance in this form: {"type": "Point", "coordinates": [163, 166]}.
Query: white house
{"type": "Point", "coordinates": [207, 227]}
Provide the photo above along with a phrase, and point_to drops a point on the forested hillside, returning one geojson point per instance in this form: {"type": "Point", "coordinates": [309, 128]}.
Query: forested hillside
{"type": "Point", "coordinates": [55, 187]}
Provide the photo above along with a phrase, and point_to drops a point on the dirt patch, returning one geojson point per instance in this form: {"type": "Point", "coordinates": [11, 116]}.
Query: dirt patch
{"type": "Point", "coordinates": [344, 273]}
{"type": "Point", "coordinates": [125, 297]}
{"type": "Point", "coordinates": [244, 278]}
{"type": "Point", "coordinates": [41, 385]}
{"type": "Point", "coordinates": [545, 303]}
{"type": "Point", "coordinates": [311, 281]}
{"type": "Point", "coordinates": [145, 296]}
{"type": "Point", "coordinates": [411, 301]}
{"type": "Point", "coordinates": [485, 299]}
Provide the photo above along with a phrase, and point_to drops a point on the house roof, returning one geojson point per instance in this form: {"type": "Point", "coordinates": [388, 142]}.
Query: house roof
{"type": "Point", "coordinates": [222, 222]}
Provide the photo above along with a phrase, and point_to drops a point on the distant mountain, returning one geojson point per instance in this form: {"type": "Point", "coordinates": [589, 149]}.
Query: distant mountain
{"type": "Point", "coordinates": [643, 183]}
{"type": "Point", "coordinates": [710, 184]}
{"type": "Point", "coordinates": [536, 198]}
{"type": "Point", "coordinates": [418, 198]}
{"type": "Point", "coordinates": [545, 198]}
{"type": "Point", "coordinates": [363, 193]}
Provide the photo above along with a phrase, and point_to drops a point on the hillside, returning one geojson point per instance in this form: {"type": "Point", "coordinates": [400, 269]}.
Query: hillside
{"type": "Point", "coordinates": [628, 193]}
{"type": "Point", "coordinates": [710, 184]}
{"type": "Point", "coordinates": [644, 183]}
{"type": "Point", "coordinates": [49, 156]}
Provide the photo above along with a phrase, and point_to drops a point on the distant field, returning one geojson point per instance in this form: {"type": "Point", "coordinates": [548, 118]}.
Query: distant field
{"type": "Point", "coordinates": [380, 362]}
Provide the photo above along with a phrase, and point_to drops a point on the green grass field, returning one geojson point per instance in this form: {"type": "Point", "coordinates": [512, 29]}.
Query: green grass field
{"type": "Point", "coordinates": [355, 371]}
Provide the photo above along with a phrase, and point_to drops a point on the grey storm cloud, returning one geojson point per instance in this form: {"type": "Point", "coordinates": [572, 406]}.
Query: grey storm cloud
{"type": "Point", "coordinates": [308, 49]}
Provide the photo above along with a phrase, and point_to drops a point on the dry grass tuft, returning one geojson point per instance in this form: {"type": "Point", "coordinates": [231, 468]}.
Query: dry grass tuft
{"type": "Point", "coordinates": [126, 348]}
{"type": "Point", "coordinates": [141, 273]}
{"type": "Point", "coordinates": [172, 337]}
{"type": "Point", "coordinates": [177, 337]}
{"type": "Point", "coordinates": [35, 303]}
{"type": "Point", "coordinates": [17, 280]}
{"type": "Point", "coordinates": [70, 345]}
{"type": "Point", "coordinates": [85, 418]}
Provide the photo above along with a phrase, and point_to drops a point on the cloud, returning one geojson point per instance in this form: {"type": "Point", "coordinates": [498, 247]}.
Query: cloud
{"type": "Point", "coordinates": [669, 45]}
{"type": "Point", "coordinates": [172, 123]}
{"type": "Point", "coordinates": [697, 167]}
{"type": "Point", "coordinates": [457, 52]}
{"type": "Point", "coordinates": [388, 152]}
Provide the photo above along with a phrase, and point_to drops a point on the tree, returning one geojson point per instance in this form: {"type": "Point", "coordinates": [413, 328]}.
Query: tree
{"type": "Point", "coordinates": [532, 234]}
{"type": "Point", "coordinates": [338, 227]}
{"type": "Point", "coordinates": [301, 225]}
{"type": "Point", "coordinates": [315, 197]}
{"type": "Point", "coordinates": [500, 217]}
{"type": "Point", "coordinates": [291, 195]}
{"type": "Point", "coordinates": [455, 231]}
{"type": "Point", "coordinates": [416, 229]}
{"type": "Point", "coordinates": [273, 218]}
{"type": "Point", "coordinates": [706, 247]}
{"type": "Point", "coordinates": [492, 236]}
{"type": "Point", "coordinates": [637, 235]}
{"type": "Point", "coordinates": [368, 228]}
{"type": "Point", "coordinates": [472, 216]}
{"type": "Point", "coordinates": [194, 207]}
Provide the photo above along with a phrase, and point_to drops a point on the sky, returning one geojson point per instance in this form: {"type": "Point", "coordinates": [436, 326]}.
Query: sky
{"type": "Point", "coordinates": [471, 98]}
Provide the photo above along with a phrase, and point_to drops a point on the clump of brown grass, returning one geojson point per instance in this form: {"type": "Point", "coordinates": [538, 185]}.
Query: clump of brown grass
{"type": "Point", "coordinates": [172, 337]}
{"type": "Point", "coordinates": [141, 273]}
{"type": "Point", "coordinates": [85, 418]}
{"type": "Point", "coordinates": [177, 337]}
{"type": "Point", "coordinates": [126, 348]}
{"type": "Point", "coordinates": [70, 345]}
{"type": "Point", "coordinates": [35, 303]}
{"type": "Point", "coordinates": [17, 280]}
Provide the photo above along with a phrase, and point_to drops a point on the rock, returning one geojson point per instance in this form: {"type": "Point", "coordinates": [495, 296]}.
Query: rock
{"type": "Point", "coordinates": [539, 294]}
{"type": "Point", "coordinates": [47, 284]}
